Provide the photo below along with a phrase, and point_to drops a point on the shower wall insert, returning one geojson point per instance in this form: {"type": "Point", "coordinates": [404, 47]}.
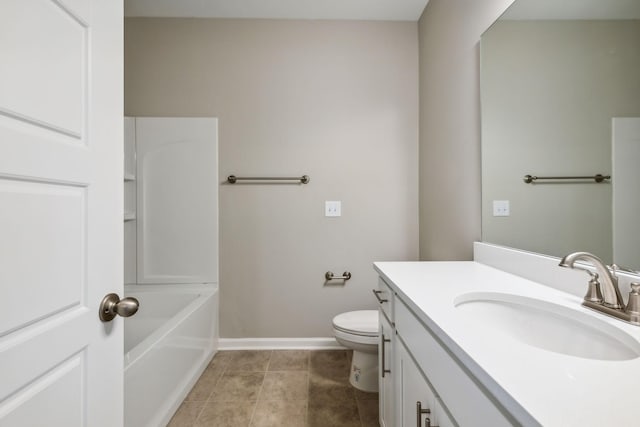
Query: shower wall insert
{"type": "Point", "coordinates": [171, 261]}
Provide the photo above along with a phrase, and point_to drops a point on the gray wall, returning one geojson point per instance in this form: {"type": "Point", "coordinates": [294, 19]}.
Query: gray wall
{"type": "Point", "coordinates": [449, 34]}
{"type": "Point", "coordinates": [332, 99]}
{"type": "Point", "coordinates": [626, 197]}
{"type": "Point", "coordinates": [557, 84]}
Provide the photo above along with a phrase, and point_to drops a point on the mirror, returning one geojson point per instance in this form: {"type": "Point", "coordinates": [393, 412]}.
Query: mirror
{"type": "Point", "coordinates": [554, 75]}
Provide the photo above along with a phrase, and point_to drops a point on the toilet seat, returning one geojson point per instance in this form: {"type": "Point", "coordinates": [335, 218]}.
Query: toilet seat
{"type": "Point", "coordinates": [343, 337]}
{"type": "Point", "coordinates": [360, 323]}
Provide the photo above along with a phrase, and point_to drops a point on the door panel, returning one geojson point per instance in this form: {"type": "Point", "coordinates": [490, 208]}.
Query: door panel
{"type": "Point", "coordinates": [31, 352]}
{"type": "Point", "coordinates": [61, 217]}
{"type": "Point", "coordinates": [61, 389]}
{"type": "Point", "coordinates": [50, 69]}
{"type": "Point", "coordinates": [30, 211]}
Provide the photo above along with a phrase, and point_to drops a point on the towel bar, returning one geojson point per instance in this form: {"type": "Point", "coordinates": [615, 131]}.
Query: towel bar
{"type": "Point", "coordinates": [304, 179]}
{"type": "Point", "coordinates": [597, 178]}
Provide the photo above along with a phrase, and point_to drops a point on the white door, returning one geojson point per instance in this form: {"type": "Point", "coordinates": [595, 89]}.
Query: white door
{"type": "Point", "coordinates": [60, 211]}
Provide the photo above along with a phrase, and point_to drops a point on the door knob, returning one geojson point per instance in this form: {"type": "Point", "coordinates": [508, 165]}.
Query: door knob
{"type": "Point", "coordinates": [112, 305]}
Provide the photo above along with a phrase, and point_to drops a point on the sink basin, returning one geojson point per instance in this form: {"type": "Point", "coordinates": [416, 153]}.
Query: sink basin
{"type": "Point", "coordinates": [547, 326]}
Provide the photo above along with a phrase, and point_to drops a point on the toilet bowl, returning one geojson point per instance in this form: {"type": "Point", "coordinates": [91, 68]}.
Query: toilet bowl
{"type": "Point", "coordinates": [358, 331]}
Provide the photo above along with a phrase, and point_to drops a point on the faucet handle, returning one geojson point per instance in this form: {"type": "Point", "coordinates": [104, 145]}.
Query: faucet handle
{"type": "Point", "coordinates": [633, 305]}
{"type": "Point", "coordinates": [593, 291]}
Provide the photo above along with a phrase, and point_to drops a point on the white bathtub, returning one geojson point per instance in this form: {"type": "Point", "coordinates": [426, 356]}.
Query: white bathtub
{"type": "Point", "coordinates": [168, 344]}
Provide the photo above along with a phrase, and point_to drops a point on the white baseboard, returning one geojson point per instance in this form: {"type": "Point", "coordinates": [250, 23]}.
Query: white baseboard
{"type": "Point", "coordinates": [279, 344]}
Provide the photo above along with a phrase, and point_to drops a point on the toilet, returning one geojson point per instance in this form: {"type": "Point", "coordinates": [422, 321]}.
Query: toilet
{"type": "Point", "coordinates": [358, 331]}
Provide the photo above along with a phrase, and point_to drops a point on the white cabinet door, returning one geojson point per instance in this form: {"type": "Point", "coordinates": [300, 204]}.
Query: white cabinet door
{"type": "Point", "coordinates": [177, 194]}
{"type": "Point", "coordinates": [414, 391]}
{"type": "Point", "coordinates": [386, 375]}
{"type": "Point", "coordinates": [61, 97]}
{"type": "Point", "coordinates": [441, 416]}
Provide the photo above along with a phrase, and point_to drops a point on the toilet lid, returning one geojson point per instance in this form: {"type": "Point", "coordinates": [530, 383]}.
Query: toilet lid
{"type": "Point", "coordinates": [361, 322]}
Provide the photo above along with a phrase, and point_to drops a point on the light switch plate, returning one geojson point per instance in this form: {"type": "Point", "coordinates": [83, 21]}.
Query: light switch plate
{"type": "Point", "coordinates": [501, 208]}
{"type": "Point", "coordinates": [332, 208]}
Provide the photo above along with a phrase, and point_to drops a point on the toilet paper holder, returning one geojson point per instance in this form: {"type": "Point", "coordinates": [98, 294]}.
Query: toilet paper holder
{"type": "Point", "coordinates": [330, 276]}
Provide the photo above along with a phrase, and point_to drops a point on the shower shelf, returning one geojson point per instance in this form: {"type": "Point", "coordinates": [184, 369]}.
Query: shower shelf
{"type": "Point", "coordinates": [129, 177]}
{"type": "Point", "coordinates": [129, 216]}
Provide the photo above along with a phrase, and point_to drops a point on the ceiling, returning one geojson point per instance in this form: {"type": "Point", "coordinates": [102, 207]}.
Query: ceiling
{"type": "Point", "coordinates": [370, 10]}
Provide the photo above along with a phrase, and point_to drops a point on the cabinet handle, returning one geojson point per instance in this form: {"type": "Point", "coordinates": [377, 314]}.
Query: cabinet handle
{"type": "Point", "coordinates": [384, 371]}
{"type": "Point", "coordinates": [377, 294]}
{"type": "Point", "coordinates": [420, 412]}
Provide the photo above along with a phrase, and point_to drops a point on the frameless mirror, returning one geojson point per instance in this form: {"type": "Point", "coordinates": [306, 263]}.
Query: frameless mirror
{"type": "Point", "coordinates": [557, 79]}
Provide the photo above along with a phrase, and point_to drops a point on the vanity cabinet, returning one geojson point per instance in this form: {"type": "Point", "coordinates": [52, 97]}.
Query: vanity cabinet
{"type": "Point", "coordinates": [385, 298]}
{"type": "Point", "coordinates": [402, 384]}
{"type": "Point", "coordinates": [420, 405]}
{"type": "Point", "coordinates": [416, 369]}
{"type": "Point", "coordinates": [459, 393]}
{"type": "Point", "coordinates": [386, 372]}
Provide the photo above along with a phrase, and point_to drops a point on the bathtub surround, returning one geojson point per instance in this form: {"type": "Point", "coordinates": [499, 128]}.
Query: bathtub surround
{"type": "Point", "coordinates": [336, 100]}
{"type": "Point", "coordinates": [174, 168]}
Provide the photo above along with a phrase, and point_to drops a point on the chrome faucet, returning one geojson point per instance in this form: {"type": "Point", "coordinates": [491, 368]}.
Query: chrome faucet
{"type": "Point", "coordinates": [609, 301]}
{"type": "Point", "coordinates": [610, 292]}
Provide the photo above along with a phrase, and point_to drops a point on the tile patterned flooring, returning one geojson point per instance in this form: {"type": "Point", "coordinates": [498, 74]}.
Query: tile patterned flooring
{"type": "Point", "coordinates": [279, 388]}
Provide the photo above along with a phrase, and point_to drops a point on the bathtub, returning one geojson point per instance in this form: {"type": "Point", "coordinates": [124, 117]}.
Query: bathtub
{"type": "Point", "coordinates": [167, 346]}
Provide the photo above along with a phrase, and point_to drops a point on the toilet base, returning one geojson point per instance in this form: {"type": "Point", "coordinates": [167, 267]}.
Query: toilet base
{"type": "Point", "coordinates": [364, 371]}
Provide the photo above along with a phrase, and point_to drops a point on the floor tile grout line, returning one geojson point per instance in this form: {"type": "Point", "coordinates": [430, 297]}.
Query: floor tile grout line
{"type": "Point", "coordinates": [358, 409]}
{"type": "Point", "coordinates": [195, 421]}
{"type": "Point", "coordinates": [269, 362]}
{"type": "Point", "coordinates": [207, 400]}
{"type": "Point", "coordinates": [306, 413]}
{"type": "Point", "coordinates": [255, 407]}
{"type": "Point", "coordinates": [224, 371]}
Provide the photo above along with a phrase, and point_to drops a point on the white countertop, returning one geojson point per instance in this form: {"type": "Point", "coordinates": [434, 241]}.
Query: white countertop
{"type": "Point", "coordinates": [554, 389]}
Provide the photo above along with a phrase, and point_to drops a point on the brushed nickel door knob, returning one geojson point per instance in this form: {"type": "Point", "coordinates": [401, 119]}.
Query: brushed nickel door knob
{"type": "Point", "coordinates": [112, 305]}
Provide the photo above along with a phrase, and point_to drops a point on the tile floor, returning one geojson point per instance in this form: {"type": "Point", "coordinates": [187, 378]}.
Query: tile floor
{"type": "Point", "coordinates": [280, 388]}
